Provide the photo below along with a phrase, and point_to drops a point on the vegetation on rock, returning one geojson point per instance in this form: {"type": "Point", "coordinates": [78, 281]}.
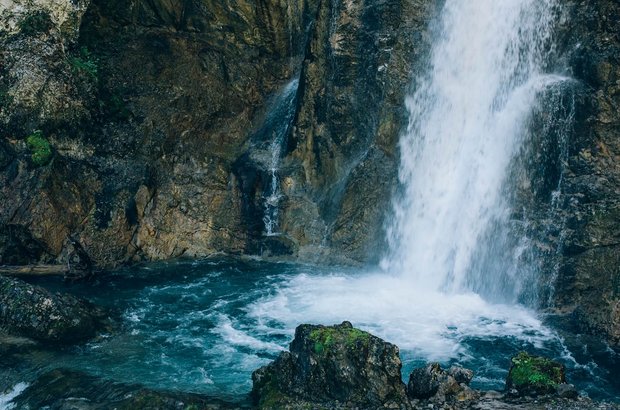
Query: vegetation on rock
{"type": "Point", "coordinates": [40, 148]}
{"type": "Point", "coordinates": [328, 365]}
{"type": "Point", "coordinates": [85, 62]}
{"type": "Point", "coordinates": [534, 375]}
{"type": "Point", "coordinates": [326, 337]}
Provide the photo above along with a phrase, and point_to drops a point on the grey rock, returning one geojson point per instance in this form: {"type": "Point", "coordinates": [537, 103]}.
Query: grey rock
{"type": "Point", "coordinates": [567, 391]}
{"type": "Point", "coordinates": [438, 385]}
{"type": "Point", "coordinates": [460, 374]}
{"type": "Point", "coordinates": [33, 312]}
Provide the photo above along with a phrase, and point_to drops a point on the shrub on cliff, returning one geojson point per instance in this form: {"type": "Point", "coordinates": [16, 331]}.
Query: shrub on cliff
{"type": "Point", "coordinates": [40, 148]}
{"type": "Point", "coordinates": [85, 62]}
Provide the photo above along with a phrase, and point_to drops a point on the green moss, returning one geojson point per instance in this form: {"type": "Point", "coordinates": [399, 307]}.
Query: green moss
{"type": "Point", "coordinates": [85, 63]}
{"type": "Point", "coordinates": [37, 22]}
{"type": "Point", "coordinates": [40, 148]}
{"type": "Point", "coordinates": [538, 372]}
{"type": "Point", "coordinates": [325, 338]}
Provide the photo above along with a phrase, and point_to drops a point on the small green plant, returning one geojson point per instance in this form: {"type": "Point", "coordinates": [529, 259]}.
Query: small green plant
{"type": "Point", "coordinates": [85, 62]}
{"type": "Point", "coordinates": [35, 23]}
{"type": "Point", "coordinates": [40, 148]}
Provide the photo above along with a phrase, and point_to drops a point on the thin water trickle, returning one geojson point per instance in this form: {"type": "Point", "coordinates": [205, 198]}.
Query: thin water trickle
{"type": "Point", "coordinates": [280, 120]}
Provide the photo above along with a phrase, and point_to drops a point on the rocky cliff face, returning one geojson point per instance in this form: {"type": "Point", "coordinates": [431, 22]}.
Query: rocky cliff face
{"type": "Point", "coordinates": [588, 276]}
{"type": "Point", "coordinates": [140, 129]}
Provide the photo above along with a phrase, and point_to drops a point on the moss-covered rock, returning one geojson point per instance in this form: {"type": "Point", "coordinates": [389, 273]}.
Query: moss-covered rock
{"type": "Point", "coordinates": [326, 338]}
{"type": "Point", "coordinates": [332, 367]}
{"type": "Point", "coordinates": [534, 375]}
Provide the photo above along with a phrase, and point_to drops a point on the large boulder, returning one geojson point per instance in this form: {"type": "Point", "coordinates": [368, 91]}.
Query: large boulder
{"type": "Point", "coordinates": [332, 366]}
{"type": "Point", "coordinates": [534, 375]}
{"type": "Point", "coordinates": [33, 312]}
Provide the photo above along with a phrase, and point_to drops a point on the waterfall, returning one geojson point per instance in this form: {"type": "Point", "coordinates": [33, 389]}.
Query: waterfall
{"type": "Point", "coordinates": [460, 266]}
{"type": "Point", "coordinates": [278, 124]}
{"type": "Point", "coordinates": [468, 119]}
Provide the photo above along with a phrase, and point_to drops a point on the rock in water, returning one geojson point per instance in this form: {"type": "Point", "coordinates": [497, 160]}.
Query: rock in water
{"type": "Point", "coordinates": [335, 366]}
{"type": "Point", "coordinates": [435, 384]}
{"type": "Point", "coordinates": [460, 374]}
{"type": "Point", "coordinates": [534, 375]}
{"type": "Point", "coordinates": [31, 311]}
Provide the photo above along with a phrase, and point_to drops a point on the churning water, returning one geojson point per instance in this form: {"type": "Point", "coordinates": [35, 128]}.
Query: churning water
{"type": "Point", "coordinates": [205, 326]}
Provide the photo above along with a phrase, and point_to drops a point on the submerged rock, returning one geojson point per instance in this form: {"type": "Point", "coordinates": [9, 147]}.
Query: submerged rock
{"type": "Point", "coordinates": [68, 389]}
{"type": "Point", "coordinates": [334, 366]}
{"type": "Point", "coordinates": [31, 311]}
{"type": "Point", "coordinates": [534, 375]}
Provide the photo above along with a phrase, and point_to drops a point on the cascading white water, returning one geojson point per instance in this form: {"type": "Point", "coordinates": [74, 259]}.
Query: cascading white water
{"type": "Point", "coordinates": [468, 118]}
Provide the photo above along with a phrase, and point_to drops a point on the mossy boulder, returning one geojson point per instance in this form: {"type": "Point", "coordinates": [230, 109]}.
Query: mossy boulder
{"type": "Point", "coordinates": [326, 338]}
{"type": "Point", "coordinates": [534, 375]}
{"type": "Point", "coordinates": [332, 367]}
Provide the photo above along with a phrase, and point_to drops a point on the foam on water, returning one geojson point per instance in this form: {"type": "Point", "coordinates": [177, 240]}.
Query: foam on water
{"type": "Point", "coordinates": [430, 324]}
{"type": "Point", "coordinates": [237, 337]}
{"type": "Point", "coordinates": [6, 399]}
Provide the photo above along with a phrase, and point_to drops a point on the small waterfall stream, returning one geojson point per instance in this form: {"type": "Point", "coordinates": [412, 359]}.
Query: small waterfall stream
{"type": "Point", "coordinates": [277, 126]}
